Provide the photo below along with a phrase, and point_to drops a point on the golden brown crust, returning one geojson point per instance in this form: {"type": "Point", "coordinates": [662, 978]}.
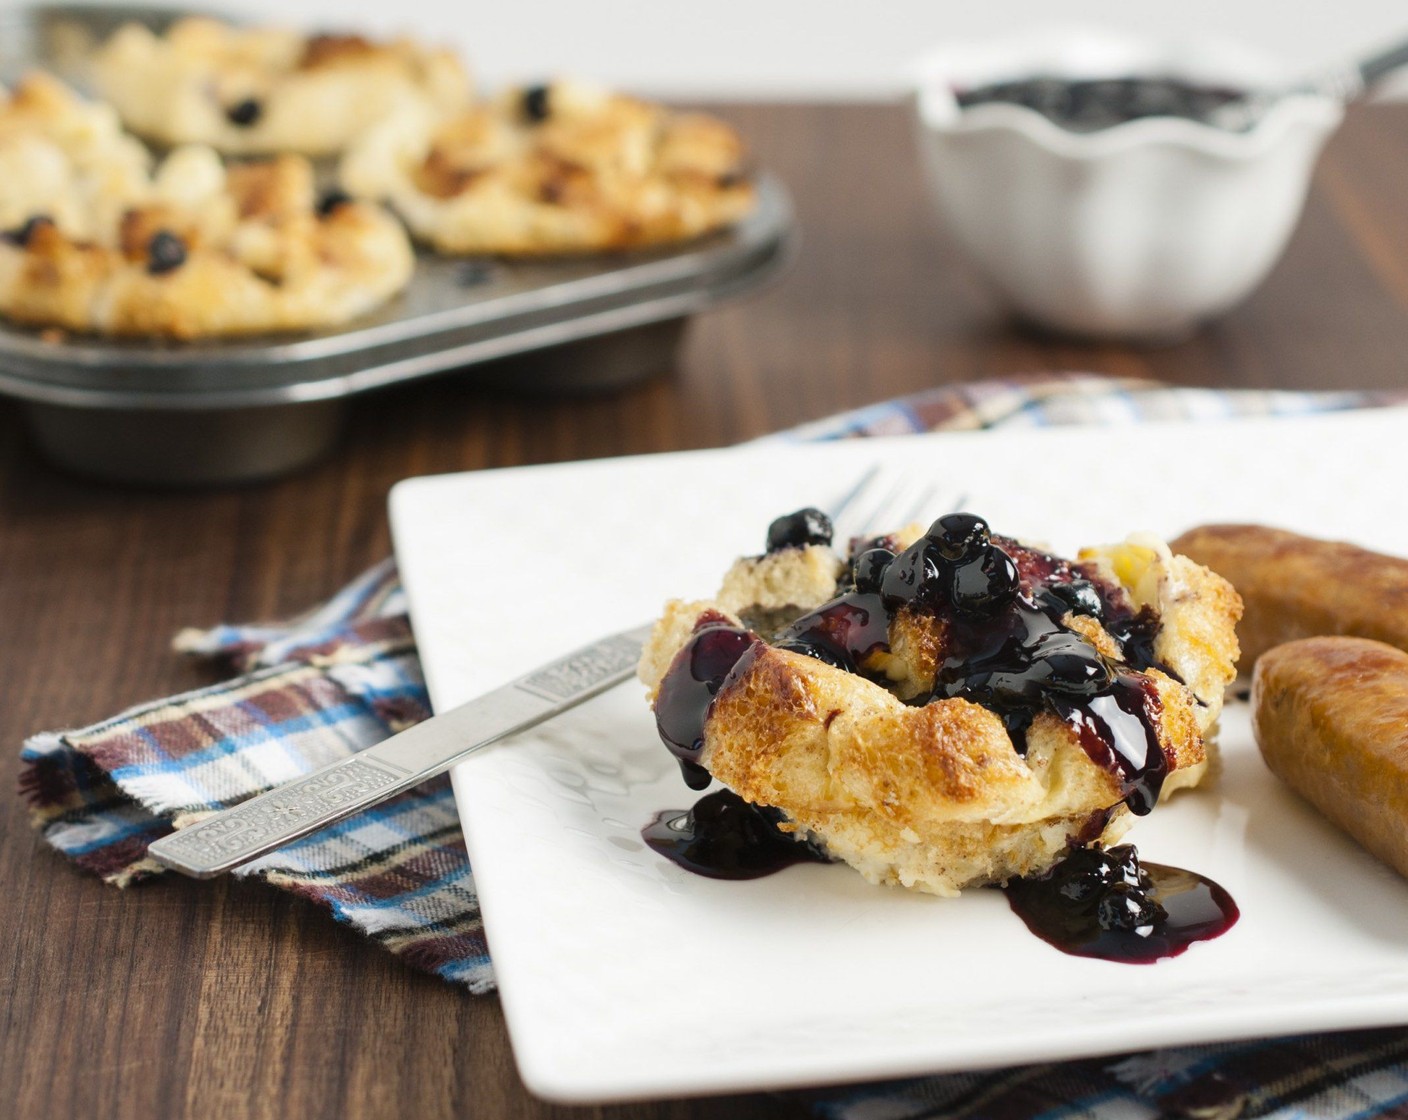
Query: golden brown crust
{"type": "Point", "coordinates": [901, 793]}
{"type": "Point", "coordinates": [342, 50]}
{"type": "Point", "coordinates": [258, 91]}
{"type": "Point", "coordinates": [586, 171]}
{"type": "Point", "coordinates": [1330, 715]}
{"type": "Point", "coordinates": [916, 649]}
{"type": "Point", "coordinates": [1298, 587]}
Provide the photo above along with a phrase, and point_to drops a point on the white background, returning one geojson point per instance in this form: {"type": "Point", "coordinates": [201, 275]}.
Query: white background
{"type": "Point", "coordinates": [809, 48]}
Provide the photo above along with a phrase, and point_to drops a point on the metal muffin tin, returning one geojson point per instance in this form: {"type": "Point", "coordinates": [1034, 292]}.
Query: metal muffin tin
{"type": "Point", "coordinates": [216, 412]}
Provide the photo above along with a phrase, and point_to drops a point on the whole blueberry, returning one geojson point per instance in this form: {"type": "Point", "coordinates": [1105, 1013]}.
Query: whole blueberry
{"type": "Point", "coordinates": [1079, 595]}
{"type": "Point", "coordinates": [1085, 874]}
{"type": "Point", "coordinates": [796, 530]}
{"type": "Point", "coordinates": [984, 583]}
{"type": "Point", "coordinates": [959, 535]}
{"type": "Point", "coordinates": [1124, 907]}
{"type": "Point", "coordinates": [911, 574]}
{"type": "Point", "coordinates": [165, 253]}
{"type": "Point", "coordinates": [244, 113]}
{"type": "Point", "coordinates": [868, 570]}
{"type": "Point", "coordinates": [536, 103]}
{"type": "Point", "coordinates": [1125, 860]}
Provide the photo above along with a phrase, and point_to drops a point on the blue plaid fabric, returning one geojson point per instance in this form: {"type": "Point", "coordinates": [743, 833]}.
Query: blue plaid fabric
{"type": "Point", "coordinates": [313, 690]}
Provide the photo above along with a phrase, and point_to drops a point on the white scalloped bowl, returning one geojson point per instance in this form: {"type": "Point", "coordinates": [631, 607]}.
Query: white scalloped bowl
{"type": "Point", "coordinates": [1141, 230]}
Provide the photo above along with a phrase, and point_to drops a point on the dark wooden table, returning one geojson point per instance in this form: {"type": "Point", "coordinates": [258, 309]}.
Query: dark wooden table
{"type": "Point", "coordinates": [222, 999]}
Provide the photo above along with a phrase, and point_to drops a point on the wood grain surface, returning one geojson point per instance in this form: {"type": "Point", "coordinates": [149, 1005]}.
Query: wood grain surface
{"type": "Point", "coordinates": [184, 999]}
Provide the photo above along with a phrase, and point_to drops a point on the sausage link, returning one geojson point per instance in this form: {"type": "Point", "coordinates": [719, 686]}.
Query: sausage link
{"type": "Point", "coordinates": [1331, 718]}
{"type": "Point", "coordinates": [1298, 587]}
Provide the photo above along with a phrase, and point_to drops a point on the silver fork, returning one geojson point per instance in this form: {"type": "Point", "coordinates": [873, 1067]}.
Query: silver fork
{"type": "Point", "coordinates": [880, 503]}
{"type": "Point", "coordinates": [271, 820]}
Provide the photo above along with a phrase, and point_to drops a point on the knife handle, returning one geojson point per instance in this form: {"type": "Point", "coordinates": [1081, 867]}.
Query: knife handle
{"type": "Point", "coordinates": [336, 791]}
{"type": "Point", "coordinates": [273, 819]}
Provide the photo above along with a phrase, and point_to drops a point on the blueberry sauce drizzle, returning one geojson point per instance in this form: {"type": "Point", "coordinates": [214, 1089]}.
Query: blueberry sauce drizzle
{"type": "Point", "coordinates": [715, 652]}
{"type": "Point", "coordinates": [725, 837]}
{"type": "Point", "coordinates": [1024, 663]}
{"type": "Point", "coordinates": [1111, 906]}
{"type": "Point", "coordinates": [844, 633]}
{"type": "Point", "coordinates": [1002, 607]}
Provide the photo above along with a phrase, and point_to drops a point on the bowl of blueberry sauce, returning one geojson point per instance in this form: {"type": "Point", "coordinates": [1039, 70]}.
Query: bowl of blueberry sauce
{"type": "Point", "coordinates": [1105, 185]}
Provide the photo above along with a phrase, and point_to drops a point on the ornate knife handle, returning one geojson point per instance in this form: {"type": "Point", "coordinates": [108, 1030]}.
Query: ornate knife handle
{"type": "Point", "coordinates": [306, 804]}
{"type": "Point", "coordinates": [336, 791]}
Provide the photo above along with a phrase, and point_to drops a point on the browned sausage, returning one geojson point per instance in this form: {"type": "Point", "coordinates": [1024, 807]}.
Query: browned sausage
{"type": "Point", "coordinates": [1297, 587]}
{"type": "Point", "coordinates": [1331, 718]}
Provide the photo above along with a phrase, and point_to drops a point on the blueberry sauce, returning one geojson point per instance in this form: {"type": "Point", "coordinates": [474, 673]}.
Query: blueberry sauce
{"type": "Point", "coordinates": [687, 691]}
{"type": "Point", "coordinates": [843, 633]}
{"type": "Point", "coordinates": [1002, 608]}
{"type": "Point", "coordinates": [725, 837]}
{"type": "Point", "coordinates": [1109, 905]}
{"type": "Point", "coordinates": [1024, 663]}
{"type": "Point", "coordinates": [1116, 729]}
{"type": "Point", "coordinates": [1136, 633]}
{"type": "Point", "coordinates": [1090, 105]}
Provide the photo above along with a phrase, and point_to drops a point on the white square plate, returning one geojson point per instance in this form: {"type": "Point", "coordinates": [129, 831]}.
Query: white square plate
{"type": "Point", "coordinates": [624, 976]}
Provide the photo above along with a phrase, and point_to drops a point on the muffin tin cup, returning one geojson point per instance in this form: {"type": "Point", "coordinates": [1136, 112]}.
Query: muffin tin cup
{"type": "Point", "coordinates": [213, 412]}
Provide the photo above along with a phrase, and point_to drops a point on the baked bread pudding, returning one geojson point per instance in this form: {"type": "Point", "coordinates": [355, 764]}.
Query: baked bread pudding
{"type": "Point", "coordinates": [257, 91]}
{"type": "Point", "coordinates": [554, 169]}
{"type": "Point", "coordinates": [948, 707]}
{"type": "Point", "coordinates": [66, 158]}
{"type": "Point", "coordinates": [91, 240]}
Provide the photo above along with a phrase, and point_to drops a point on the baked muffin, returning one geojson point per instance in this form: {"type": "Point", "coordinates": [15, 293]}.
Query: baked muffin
{"type": "Point", "coordinates": [91, 241]}
{"type": "Point", "coordinates": [255, 91]}
{"type": "Point", "coordinates": [948, 708]}
{"type": "Point", "coordinates": [66, 158]}
{"type": "Point", "coordinates": [555, 169]}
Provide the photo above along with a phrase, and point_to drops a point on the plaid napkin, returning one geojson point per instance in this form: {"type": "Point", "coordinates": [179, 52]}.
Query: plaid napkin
{"type": "Point", "coordinates": [342, 677]}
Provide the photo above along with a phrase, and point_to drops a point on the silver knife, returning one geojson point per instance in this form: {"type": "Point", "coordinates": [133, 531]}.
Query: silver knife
{"type": "Point", "coordinates": [271, 820]}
